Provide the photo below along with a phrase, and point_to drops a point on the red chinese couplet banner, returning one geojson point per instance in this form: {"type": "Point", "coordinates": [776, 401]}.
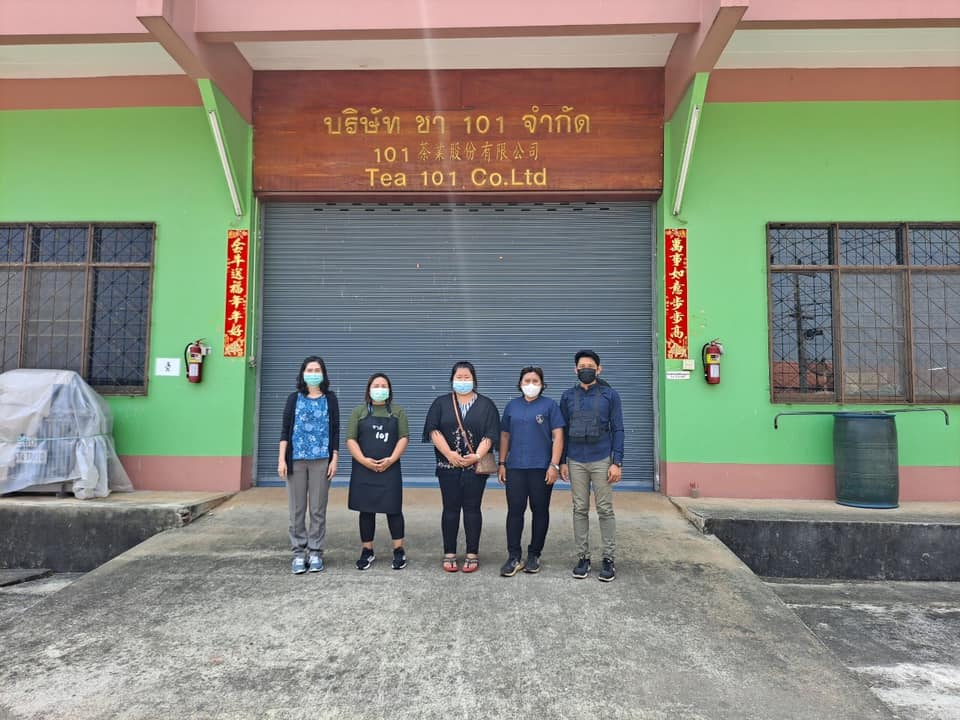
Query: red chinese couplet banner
{"type": "Point", "coordinates": [675, 285]}
{"type": "Point", "coordinates": [235, 315]}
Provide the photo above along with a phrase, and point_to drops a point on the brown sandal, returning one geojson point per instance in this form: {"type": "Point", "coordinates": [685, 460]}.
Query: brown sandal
{"type": "Point", "coordinates": [471, 565]}
{"type": "Point", "coordinates": [450, 563]}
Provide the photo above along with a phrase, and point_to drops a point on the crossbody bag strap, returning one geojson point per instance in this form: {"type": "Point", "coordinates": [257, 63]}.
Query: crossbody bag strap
{"type": "Point", "coordinates": [456, 410]}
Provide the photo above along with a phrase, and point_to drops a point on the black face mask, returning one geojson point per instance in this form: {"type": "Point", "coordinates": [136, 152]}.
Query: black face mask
{"type": "Point", "coordinates": [586, 375]}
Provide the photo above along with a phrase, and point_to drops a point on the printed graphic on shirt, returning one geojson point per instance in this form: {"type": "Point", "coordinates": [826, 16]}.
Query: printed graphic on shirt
{"type": "Point", "coordinates": [380, 433]}
{"type": "Point", "coordinates": [460, 447]}
{"type": "Point", "coordinates": [311, 429]}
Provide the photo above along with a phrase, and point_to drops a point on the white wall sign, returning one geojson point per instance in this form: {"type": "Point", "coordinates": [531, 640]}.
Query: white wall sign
{"type": "Point", "coordinates": [678, 375]}
{"type": "Point", "coordinates": [167, 366]}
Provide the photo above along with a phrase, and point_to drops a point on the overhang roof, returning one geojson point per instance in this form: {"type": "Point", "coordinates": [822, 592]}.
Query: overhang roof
{"type": "Point", "coordinates": [227, 40]}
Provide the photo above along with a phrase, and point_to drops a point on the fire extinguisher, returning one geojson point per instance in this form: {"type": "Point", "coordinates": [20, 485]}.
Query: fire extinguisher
{"type": "Point", "coordinates": [711, 353]}
{"type": "Point", "coordinates": [193, 356]}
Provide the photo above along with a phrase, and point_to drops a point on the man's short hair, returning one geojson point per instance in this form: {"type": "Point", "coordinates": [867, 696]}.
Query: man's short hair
{"type": "Point", "coordinates": [586, 354]}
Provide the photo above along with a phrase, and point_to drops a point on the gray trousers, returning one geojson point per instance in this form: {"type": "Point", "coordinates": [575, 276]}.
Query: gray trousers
{"type": "Point", "coordinates": [308, 485]}
{"type": "Point", "coordinates": [582, 476]}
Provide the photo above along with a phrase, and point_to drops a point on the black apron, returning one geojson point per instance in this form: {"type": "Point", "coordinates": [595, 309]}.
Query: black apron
{"type": "Point", "coordinates": [370, 491]}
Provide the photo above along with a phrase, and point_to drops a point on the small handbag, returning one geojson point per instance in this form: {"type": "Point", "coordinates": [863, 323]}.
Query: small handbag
{"type": "Point", "coordinates": [487, 465]}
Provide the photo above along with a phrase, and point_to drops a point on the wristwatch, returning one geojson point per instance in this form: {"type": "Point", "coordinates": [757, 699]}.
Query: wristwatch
{"type": "Point", "coordinates": [555, 467]}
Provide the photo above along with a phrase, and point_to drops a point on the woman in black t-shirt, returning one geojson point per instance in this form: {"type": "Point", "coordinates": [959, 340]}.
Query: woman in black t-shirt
{"type": "Point", "coordinates": [461, 488]}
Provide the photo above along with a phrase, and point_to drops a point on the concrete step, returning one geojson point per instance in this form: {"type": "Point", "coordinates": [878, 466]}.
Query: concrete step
{"type": "Point", "coordinates": [15, 577]}
{"type": "Point", "coordinates": [70, 535]}
{"type": "Point", "coordinates": [820, 539]}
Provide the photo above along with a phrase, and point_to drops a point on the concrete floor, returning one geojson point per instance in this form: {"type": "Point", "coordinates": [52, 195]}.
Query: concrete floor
{"type": "Point", "coordinates": [900, 638]}
{"type": "Point", "coordinates": [207, 622]}
{"type": "Point", "coordinates": [18, 599]}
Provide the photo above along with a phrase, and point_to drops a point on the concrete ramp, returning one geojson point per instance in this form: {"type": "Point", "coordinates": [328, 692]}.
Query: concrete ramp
{"type": "Point", "coordinates": [206, 621]}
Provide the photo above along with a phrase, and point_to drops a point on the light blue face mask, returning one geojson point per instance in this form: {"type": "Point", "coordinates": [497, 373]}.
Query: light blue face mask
{"type": "Point", "coordinates": [313, 379]}
{"type": "Point", "coordinates": [379, 394]}
{"type": "Point", "coordinates": [462, 386]}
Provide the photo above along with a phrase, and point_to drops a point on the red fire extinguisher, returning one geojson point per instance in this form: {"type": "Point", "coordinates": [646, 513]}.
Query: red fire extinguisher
{"type": "Point", "coordinates": [711, 353]}
{"type": "Point", "coordinates": [193, 356]}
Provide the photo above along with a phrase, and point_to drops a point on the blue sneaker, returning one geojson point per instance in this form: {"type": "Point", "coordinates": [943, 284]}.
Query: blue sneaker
{"type": "Point", "coordinates": [582, 569]}
{"type": "Point", "coordinates": [316, 563]}
{"type": "Point", "coordinates": [299, 567]}
{"type": "Point", "coordinates": [609, 572]}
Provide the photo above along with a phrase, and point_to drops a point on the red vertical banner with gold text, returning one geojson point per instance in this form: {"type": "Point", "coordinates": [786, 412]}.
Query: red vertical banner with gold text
{"type": "Point", "coordinates": [235, 315]}
{"type": "Point", "coordinates": [678, 344]}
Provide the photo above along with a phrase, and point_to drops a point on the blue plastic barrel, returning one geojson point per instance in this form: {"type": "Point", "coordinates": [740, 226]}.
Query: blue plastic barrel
{"type": "Point", "coordinates": [866, 463]}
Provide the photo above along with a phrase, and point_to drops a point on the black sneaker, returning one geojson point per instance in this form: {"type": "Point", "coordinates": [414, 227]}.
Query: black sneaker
{"type": "Point", "coordinates": [399, 558]}
{"type": "Point", "coordinates": [366, 559]}
{"type": "Point", "coordinates": [533, 563]}
{"type": "Point", "coordinates": [582, 569]}
{"type": "Point", "coordinates": [511, 567]}
{"type": "Point", "coordinates": [608, 573]}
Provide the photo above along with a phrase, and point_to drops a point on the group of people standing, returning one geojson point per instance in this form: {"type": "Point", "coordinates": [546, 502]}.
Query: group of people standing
{"type": "Point", "coordinates": [579, 441]}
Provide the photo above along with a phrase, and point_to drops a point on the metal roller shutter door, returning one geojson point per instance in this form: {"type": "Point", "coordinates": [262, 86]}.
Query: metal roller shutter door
{"type": "Point", "coordinates": [411, 289]}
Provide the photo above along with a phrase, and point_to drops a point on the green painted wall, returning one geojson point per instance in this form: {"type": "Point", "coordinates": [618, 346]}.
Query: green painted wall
{"type": "Point", "coordinates": [761, 162]}
{"type": "Point", "coordinates": [147, 164]}
{"type": "Point", "coordinates": [753, 163]}
{"type": "Point", "coordinates": [238, 138]}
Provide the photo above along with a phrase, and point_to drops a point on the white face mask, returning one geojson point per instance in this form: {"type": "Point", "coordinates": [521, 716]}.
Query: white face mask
{"type": "Point", "coordinates": [531, 391]}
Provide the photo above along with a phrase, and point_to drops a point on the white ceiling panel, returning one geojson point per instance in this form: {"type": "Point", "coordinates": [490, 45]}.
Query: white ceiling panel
{"type": "Point", "coordinates": [900, 47]}
{"type": "Point", "coordinates": [904, 47]}
{"type": "Point", "coordinates": [461, 53]}
{"type": "Point", "coordinates": [95, 60]}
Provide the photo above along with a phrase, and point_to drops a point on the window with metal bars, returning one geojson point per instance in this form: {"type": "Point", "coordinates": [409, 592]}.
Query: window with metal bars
{"type": "Point", "coordinates": [864, 313]}
{"type": "Point", "coordinates": [77, 297]}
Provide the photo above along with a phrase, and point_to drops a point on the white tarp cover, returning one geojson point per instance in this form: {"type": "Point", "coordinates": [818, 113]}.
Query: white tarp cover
{"type": "Point", "coordinates": [55, 428]}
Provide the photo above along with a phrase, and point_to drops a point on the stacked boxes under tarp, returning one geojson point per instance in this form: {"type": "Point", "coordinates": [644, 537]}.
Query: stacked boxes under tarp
{"type": "Point", "coordinates": [55, 429]}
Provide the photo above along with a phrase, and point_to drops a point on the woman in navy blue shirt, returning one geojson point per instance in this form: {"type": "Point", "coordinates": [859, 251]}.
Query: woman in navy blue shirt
{"type": "Point", "coordinates": [531, 443]}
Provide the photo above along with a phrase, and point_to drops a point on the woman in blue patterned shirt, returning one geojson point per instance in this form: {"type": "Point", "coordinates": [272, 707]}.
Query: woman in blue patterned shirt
{"type": "Point", "coordinates": [309, 443]}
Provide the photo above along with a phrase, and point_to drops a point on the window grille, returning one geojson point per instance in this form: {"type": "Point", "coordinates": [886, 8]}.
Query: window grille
{"type": "Point", "coordinates": [77, 297]}
{"type": "Point", "coordinates": [864, 313]}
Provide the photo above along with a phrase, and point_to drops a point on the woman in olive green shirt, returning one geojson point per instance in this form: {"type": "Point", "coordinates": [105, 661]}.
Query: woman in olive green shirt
{"type": "Point", "coordinates": [377, 435]}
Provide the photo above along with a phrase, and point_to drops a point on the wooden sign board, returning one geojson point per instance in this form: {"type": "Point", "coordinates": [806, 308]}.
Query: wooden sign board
{"type": "Point", "coordinates": [459, 132]}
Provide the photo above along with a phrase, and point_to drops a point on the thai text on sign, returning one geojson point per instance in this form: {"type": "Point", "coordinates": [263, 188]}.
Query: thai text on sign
{"type": "Point", "coordinates": [456, 150]}
{"type": "Point", "coordinates": [235, 314]}
{"type": "Point", "coordinates": [675, 253]}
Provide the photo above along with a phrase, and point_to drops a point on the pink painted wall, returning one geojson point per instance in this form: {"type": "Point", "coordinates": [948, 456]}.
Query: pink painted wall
{"type": "Point", "coordinates": [103, 92]}
{"type": "Point", "coordinates": [58, 20]}
{"type": "Point", "coordinates": [796, 482]}
{"type": "Point", "coordinates": [212, 474]}
{"type": "Point", "coordinates": [32, 21]}
{"type": "Point", "coordinates": [834, 84]}
{"type": "Point", "coordinates": [493, 17]}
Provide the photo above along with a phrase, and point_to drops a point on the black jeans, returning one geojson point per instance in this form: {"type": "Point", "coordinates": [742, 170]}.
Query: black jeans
{"type": "Point", "coordinates": [525, 486]}
{"type": "Point", "coordinates": [368, 526]}
{"type": "Point", "coordinates": [461, 491]}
